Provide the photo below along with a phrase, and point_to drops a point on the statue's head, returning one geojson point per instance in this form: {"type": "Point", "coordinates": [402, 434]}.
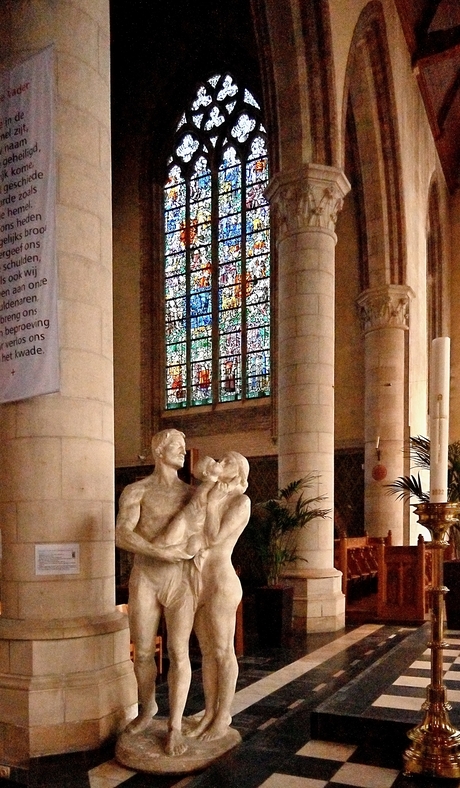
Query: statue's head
{"type": "Point", "coordinates": [234, 466]}
{"type": "Point", "coordinates": [168, 446]}
{"type": "Point", "coordinates": [207, 469]}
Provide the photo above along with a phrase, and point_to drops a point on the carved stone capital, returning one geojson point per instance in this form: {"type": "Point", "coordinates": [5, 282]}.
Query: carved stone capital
{"type": "Point", "coordinates": [385, 307]}
{"type": "Point", "coordinates": [309, 198]}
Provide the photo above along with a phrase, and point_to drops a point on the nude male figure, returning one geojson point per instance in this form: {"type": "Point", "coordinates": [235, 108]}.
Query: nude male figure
{"type": "Point", "coordinates": [159, 581]}
{"type": "Point", "coordinates": [209, 526]}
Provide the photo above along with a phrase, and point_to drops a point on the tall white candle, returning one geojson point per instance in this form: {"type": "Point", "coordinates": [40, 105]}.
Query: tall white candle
{"type": "Point", "coordinates": [439, 418]}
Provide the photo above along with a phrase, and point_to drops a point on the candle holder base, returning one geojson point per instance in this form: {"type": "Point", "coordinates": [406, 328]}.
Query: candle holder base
{"type": "Point", "coordinates": [435, 747]}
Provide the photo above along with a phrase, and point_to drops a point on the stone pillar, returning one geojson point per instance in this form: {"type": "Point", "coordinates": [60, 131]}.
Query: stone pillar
{"type": "Point", "coordinates": [66, 680]}
{"type": "Point", "coordinates": [384, 316]}
{"type": "Point", "coordinates": [307, 203]}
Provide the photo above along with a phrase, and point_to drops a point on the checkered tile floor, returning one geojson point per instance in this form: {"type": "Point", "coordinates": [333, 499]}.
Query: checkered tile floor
{"type": "Point", "coordinates": [409, 690]}
{"type": "Point", "coordinates": [317, 764]}
{"type": "Point", "coordinates": [327, 763]}
{"type": "Point", "coordinates": [381, 670]}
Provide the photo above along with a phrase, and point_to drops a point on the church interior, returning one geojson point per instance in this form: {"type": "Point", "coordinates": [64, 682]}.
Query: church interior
{"type": "Point", "coordinates": [338, 266]}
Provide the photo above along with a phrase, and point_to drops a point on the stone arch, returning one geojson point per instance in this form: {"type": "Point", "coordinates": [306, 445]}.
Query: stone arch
{"type": "Point", "coordinates": [295, 45]}
{"type": "Point", "coordinates": [371, 135]}
{"type": "Point", "coordinates": [372, 154]}
{"type": "Point", "coordinates": [227, 43]}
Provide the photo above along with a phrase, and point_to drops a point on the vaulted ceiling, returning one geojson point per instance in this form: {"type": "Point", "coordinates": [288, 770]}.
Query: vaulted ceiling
{"type": "Point", "coordinates": [432, 31]}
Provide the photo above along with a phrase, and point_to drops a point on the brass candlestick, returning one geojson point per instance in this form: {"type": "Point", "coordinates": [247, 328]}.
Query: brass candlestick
{"type": "Point", "coordinates": [435, 747]}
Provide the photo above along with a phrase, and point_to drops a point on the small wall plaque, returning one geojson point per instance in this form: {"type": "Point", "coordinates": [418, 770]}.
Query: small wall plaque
{"type": "Point", "coordinates": [57, 559]}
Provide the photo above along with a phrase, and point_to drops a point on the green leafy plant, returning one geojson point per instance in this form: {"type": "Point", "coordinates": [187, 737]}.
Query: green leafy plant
{"type": "Point", "coordinates": [410, 487]}
{"type": "Point", "coordinates": [274, 524]}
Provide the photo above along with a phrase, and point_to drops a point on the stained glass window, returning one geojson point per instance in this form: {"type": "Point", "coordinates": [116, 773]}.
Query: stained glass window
{"type": "Point", "coordinates": [217, 251]}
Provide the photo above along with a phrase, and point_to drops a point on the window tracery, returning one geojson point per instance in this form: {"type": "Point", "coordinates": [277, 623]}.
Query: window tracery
{"type": "Point", "coordinates": [217, 251]}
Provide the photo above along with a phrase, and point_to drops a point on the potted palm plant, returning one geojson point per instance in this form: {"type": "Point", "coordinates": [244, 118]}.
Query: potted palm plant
{"type": "Point", "coordinates": [411, 487]}
{"type": "Point", "coordinates": [272, 532]}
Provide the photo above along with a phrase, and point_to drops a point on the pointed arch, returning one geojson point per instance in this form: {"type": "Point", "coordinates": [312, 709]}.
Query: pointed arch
{"type": "Point", "coordinates": [320, 68]}
{"type": "Point", "coordinates": [369, 113]}
{"type": "Point", "coordinates": [299, 85]}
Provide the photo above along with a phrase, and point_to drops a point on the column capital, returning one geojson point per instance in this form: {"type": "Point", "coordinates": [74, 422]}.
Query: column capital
{"type": "Point", "coordinates": [386, 306]}
{"type": "Point", "coordinates": [308, 197]}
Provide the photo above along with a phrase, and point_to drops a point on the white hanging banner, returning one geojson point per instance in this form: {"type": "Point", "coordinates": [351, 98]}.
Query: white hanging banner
{"type": "Point", "coordinates": [29, 340]}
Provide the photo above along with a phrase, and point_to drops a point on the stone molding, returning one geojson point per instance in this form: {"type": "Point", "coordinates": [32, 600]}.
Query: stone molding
{"type": "Point", "coordinates": [385, 307]}
{"type": "Point", "coordinates": [308, 198]}
{"type": "Point", "coordinates": [60, 629]}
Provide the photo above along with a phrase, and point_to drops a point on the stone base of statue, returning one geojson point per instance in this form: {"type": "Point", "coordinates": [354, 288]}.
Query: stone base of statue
{"type": "Point", "coordinates": [145, 751]}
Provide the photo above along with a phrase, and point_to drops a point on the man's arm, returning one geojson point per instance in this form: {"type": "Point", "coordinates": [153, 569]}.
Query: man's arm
{"type": "Point", "coordinates": [188, 521]}
{"type": "Point", "coordinates": [126, 537]}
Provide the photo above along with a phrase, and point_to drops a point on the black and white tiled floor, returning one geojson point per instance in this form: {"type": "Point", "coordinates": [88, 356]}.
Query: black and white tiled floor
{"type": "Point", "coordinates": [340, 685]}
{"type": "Point", "coordinates": [407, 691]}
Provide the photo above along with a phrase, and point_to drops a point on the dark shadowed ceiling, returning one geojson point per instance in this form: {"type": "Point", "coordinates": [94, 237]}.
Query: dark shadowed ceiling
{"type": "Point", "coordinates": [160, 48]}
{"type": "Point", "coordinates": [432, 30]}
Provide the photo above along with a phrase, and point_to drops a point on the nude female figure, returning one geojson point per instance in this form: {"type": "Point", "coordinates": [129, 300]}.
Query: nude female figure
{"type": "Point", "coordinates": [227, 515]}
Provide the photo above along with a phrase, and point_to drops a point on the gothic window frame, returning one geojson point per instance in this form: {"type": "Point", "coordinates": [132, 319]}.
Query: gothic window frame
{"type": "Point", "coordinates": [200, 133]}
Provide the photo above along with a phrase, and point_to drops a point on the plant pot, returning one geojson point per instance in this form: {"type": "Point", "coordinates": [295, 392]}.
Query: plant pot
{"type": "Point", "coordinates": [452, 598]}
{"type": "Point", "coordinates": [274, 615]}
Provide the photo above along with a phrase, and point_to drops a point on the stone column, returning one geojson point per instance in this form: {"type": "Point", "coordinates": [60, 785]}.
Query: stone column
{"type": "Point", "coordinates": [384, 316]}
{"type": "Point", "coordinates": [66, 680]}
{"type": "Point", "coordinates": [307, 202]}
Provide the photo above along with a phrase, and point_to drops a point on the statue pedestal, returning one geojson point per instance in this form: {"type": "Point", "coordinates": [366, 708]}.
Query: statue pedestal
{"type": "Point", "coordinates": [145, 751]}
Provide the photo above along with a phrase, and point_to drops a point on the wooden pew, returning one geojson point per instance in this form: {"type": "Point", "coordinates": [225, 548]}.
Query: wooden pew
{"type": "Point", "coordinates": [356, 557]}
{"type": "Point", "coordinates": [401, 576]}
{"type": "Point", "coordinates": [403, 582]}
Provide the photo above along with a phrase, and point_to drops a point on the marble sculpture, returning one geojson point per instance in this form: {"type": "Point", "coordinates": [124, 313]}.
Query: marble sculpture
{"type": "Point", "coordinates": [182, 538]}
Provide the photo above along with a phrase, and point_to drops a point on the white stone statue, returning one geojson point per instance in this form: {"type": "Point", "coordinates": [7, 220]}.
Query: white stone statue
{"type": "Point", "coordinates": [183, 540]}
{"type": "Point", "coordinates": [227, 514]}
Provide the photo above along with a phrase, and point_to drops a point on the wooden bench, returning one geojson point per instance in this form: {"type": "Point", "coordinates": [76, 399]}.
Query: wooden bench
{"type": "Point", "coordinates": [404, 582]}
{"type": "Point", "coordinates": [357, 558]}
{"type": "Point", "coordinates": [388, 582]}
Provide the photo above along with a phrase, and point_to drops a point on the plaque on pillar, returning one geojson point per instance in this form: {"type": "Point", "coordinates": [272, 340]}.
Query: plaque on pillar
{"type": "Point", "coordinates": [57, 559]}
